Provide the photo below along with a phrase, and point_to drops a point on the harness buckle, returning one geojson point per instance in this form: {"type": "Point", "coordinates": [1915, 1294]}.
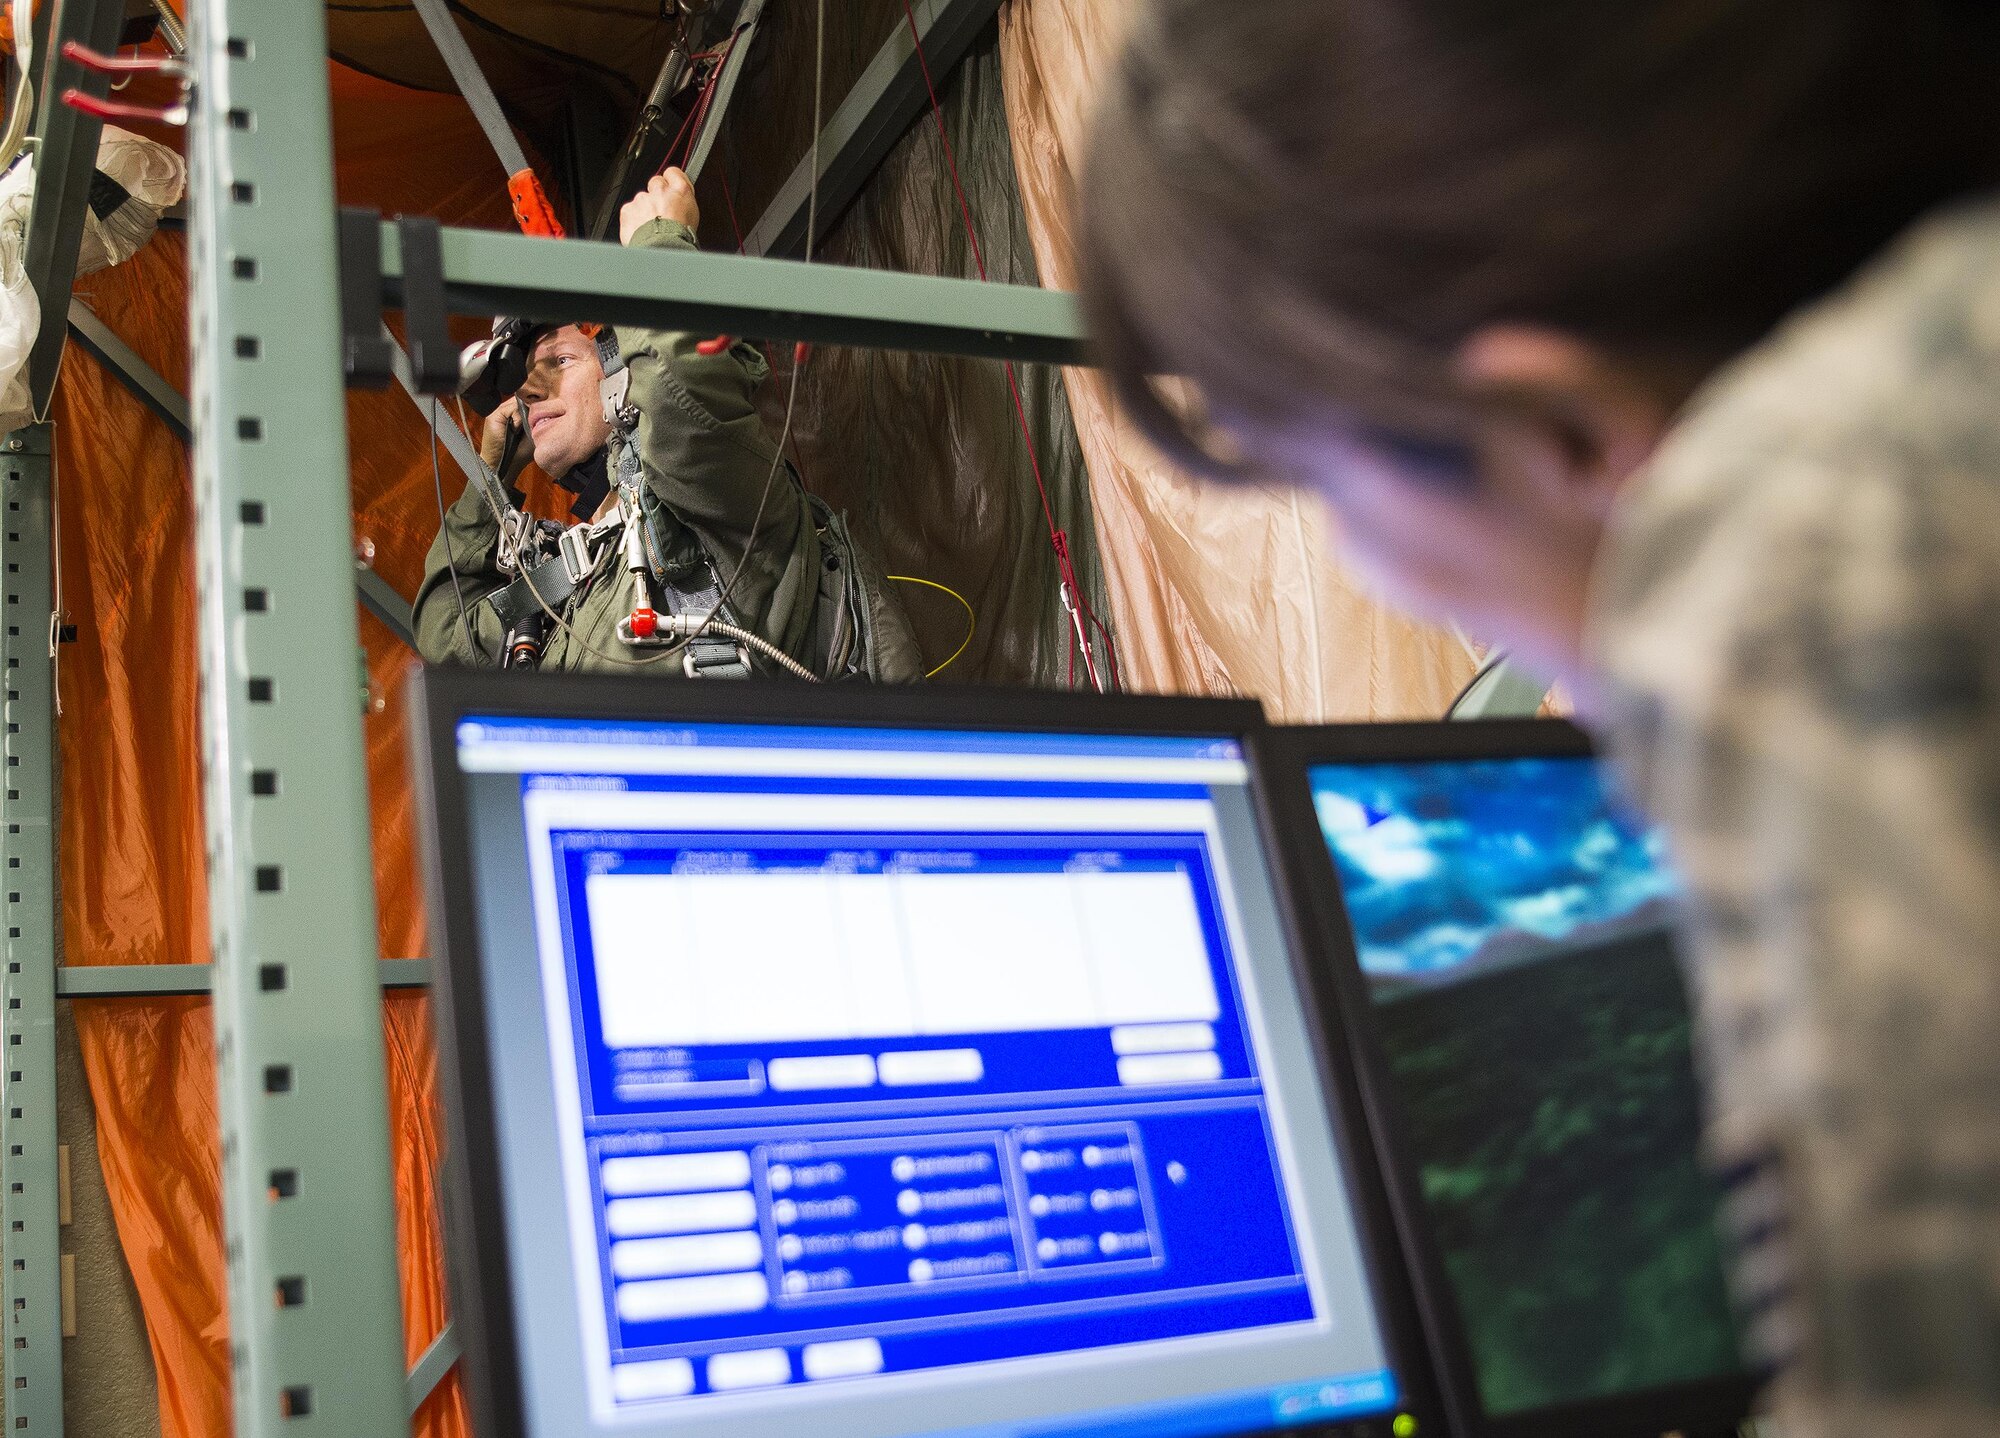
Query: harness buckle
{"type": "Point", "coordinates": [700, 658]}
{"type": "Point", "coordinates": [515, 527]}
{"type": "Point", "coordinates": [575, 546]}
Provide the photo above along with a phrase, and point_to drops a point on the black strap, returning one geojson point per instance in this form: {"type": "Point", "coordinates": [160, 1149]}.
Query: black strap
{"type": "Point", "coordinates": [106, 194]}
{"type": "Point", "coordinates": [709, 655]}
{"type": "Point", "coordinates": [550, 580]}
{"type": "Point", "coordinates": [364, 351]}
{"type": "Point", "coordinates": [433, 357]}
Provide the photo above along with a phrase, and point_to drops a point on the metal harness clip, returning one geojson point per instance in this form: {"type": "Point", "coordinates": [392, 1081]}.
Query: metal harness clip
{"type": "Point", "coordinates": [575, 547]}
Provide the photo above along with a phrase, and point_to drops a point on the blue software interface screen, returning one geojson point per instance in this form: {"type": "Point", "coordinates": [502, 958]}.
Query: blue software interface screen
{"type": "Point", "coordinates": [895, 1055]}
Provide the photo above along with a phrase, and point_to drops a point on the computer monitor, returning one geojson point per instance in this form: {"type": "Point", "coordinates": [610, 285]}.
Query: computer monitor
{"type": "Point", "coordinates": [867, 1064]}
{"type": "Point", "coordinates": [1502, 927]}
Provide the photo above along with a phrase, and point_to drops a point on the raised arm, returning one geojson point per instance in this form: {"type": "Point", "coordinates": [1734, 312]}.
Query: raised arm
{"type": "Point", "coordinates": [707, 451]}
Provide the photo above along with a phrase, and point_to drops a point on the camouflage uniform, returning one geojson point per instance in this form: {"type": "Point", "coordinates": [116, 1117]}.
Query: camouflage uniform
{"type": "Point", "coordinates": [709, 460]}
{"type": "Point", "coordinates": [1798, 623]}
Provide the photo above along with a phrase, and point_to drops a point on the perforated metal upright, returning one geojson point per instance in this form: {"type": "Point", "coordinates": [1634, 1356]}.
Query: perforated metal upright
{"type": "Point", "coordinates": [314, 1315]}
{"type": "Point", "coordinates": [30, 1245]}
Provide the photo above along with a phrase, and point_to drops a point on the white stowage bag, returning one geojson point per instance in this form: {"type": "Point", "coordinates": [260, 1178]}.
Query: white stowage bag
{"type": "Point", "coordinates": [151, 178]}
{"type": "Point", "coordinates": [151, 175]}
{"type": "Point", "coordinates": [20, 311]}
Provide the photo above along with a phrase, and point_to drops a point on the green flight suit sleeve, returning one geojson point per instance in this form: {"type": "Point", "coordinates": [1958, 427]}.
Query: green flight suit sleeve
{"type": "Point", "coordinates": [708, 457]}
{"type": "Point", "coordinates": [468, 542]}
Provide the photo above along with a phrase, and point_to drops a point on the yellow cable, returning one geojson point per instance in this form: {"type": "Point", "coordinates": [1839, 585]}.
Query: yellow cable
{"type": "Point", "coordinates": [971, 619]}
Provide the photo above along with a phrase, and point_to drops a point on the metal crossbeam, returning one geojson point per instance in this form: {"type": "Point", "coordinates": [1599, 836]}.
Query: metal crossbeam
{"type": "Point", "coordinates": [144, 383]}
{"type": "Point", "coordinates": [431, 1367]}
{"type": "Point", "coordinates": [487, 272]}
{"type": "Point", "coordinates": [379, 597]}
{"type": "Point", "coordinates": [141, 981]}
{"type": "Point", "coordinates": [315, 1313]}
{"type": "Point", "coordinates": [747, 20]}
{"type": "Point", "coordinates": [889, 95]}
{"type": "Point", "coordinates": [138, 377]}
{"type": "Point", "coordinates": [65, 159]}
{"type": "Point", "coordinates": [31, 1242]}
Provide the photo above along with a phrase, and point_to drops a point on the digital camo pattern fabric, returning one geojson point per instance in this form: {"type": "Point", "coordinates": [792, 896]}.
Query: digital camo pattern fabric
{"type": "Point", "coordinates": [1798, 622]}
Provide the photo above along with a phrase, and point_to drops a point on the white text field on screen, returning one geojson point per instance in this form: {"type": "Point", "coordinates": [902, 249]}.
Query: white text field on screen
{"type": "Point", "coordinates": [844, 763]}
{"type": "Point", "coordinates": [696, 959]}
{"type": "Point", "coordinates": [859, 815]}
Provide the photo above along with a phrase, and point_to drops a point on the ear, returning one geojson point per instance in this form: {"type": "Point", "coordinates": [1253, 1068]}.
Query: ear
{"type": "Point", "coordinates": [1589, 420]}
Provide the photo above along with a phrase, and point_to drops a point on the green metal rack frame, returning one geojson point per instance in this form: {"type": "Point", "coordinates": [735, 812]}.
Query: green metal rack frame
{"type": "Point", "coordinates": [316, 1340]}
{"type": "Point", "coordinates": [30, 1244]}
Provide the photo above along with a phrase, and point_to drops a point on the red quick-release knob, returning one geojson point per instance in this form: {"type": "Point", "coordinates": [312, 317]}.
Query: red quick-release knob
{"type": "Point", "coordinates": [644, 622]}
{"type": "Point", "coordinates": [715, 346]}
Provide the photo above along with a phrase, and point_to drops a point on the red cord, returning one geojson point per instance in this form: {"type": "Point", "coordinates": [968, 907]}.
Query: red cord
{"type": "Point", "coordinates": [729, 203]}
{"type": "Point", "coordinates": [692, 126]}
{"type": "Point", "coordinates": [674, 143]}
{"type": "Point", "coordinates": [1058, 538]}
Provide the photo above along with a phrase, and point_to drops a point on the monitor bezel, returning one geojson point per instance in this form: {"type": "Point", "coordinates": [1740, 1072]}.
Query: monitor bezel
{"type": "Point", "coordinates": [1284, 757]}
{"type": "Point", "coordinates": [476, 1230]}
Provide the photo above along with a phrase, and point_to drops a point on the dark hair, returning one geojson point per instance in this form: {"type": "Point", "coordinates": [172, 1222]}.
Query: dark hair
{"type": "Point", "coordinates": [1299, 203]}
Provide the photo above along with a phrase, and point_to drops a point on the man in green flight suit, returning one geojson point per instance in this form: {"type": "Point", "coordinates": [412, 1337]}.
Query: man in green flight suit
{"type": "Point", "coordinates": [687, 514]}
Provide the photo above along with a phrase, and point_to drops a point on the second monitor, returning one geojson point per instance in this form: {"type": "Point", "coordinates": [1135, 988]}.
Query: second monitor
{"type": "Point", "coordinates": [1504, 927]}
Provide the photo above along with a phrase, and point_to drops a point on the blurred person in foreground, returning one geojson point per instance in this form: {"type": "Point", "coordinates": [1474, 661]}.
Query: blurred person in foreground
{"type": "Point", "coordinates": [1659, 341]}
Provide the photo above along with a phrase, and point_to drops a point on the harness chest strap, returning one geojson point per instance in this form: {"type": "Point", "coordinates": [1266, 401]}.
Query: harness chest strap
{"type": "Point", "coordinates": [555, 581]}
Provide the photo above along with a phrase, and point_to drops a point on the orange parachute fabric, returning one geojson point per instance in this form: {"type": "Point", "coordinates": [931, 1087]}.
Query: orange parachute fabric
{"type": "Point", "coordinates": [134, 884]}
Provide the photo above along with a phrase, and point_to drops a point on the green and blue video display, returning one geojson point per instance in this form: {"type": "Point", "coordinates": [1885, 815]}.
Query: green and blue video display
{"type": "Point", "coordinates": [1513, 922]}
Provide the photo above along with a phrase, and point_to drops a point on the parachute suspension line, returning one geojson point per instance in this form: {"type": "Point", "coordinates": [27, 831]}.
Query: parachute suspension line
{"type": "Point", "coordinates": [792, 389]}
{"type": "Point", "coordinates": [681, 147]}
{"type": "Point", "coordinates": [1082, 618]}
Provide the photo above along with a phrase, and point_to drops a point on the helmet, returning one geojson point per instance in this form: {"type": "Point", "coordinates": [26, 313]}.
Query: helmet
{"type": "Point", "coordinates": [492, 369]}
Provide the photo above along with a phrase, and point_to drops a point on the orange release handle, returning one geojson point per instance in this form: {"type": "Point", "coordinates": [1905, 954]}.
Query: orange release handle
{"type": "Point", "coordinates": [537, 217]}
{"type": "Point", "coordinates": [532, 210]}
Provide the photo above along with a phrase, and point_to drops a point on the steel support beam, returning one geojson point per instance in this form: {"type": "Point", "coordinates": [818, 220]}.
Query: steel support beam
{"type": "Point", "coordinates": [889, 95]}
{"type": "Point", "coordinates": [315, 1314]}
{"type": "Point", "coordinates": [144, 383]}
{"type": "Point", "coordinates": [431, 1367]}
{"type": "Point", "coordinates": [379, 597]}
{"type": "Point", "coordinates": [153, 981]}
{"type": "Point", "coordinates": [65, 158]}
{"type": "Point", "coordinates": [138, 377]}
{"type": "Point", "coordinates": [745, 31]}
{"type": "Point", "coordinates": [487, 272]}
{"type": "Point", "coordinates": [459, 445]}
{"type": "Point", "coordinates": [31, 1243]}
